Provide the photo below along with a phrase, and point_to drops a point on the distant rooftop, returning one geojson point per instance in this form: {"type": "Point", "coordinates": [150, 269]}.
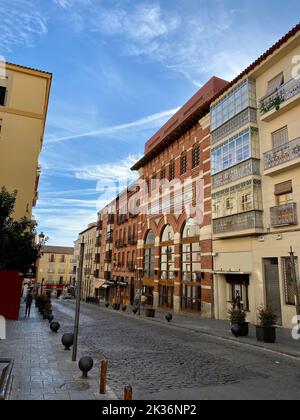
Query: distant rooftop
{"type": "Point", "coordinates": [58, 250]}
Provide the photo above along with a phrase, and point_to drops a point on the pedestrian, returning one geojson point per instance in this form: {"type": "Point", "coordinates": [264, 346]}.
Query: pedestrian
{"type": "Point", "coordinates": [28, 301]}
{"type": "Point", "coordinates": [143, 301]}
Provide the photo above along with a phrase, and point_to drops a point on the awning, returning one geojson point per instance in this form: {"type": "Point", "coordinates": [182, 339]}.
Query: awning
{"type": "Point", "coordinates": [105, 286]}
{"type": "Point", "coordinates": [98, 283]}
{"type": "Point", "coordinates": [233, 272]}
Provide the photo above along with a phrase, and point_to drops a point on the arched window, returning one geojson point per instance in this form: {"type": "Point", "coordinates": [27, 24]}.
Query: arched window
{"type": "Point", "coordinates": [191, 267]}
{"type": "Point", "coordinates": [167, 265]}
{"type": "Point", "coordinates": [191, 252]}
{"type": "Point", "coordinates": [149, 255]}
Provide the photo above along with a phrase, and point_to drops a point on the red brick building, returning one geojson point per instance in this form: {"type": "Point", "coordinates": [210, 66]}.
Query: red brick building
{"type": "Point", "coordinates": [156, 237]}
{"type": "Point", "coordinates": [174, 251]}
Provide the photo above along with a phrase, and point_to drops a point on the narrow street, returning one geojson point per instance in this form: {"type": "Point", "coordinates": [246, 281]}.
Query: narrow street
{"type": "Point", "coordinates": [161, 361]}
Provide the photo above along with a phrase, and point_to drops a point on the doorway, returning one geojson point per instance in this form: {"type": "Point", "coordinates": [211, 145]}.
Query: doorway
{"type": "Point", "coordinates": [272, 287]}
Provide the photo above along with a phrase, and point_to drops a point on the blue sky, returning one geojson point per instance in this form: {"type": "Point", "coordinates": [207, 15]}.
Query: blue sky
{"type": "Point", "coordinates": [120, 70]}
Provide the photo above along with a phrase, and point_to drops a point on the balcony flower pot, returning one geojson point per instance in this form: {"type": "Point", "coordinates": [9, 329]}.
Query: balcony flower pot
{"type": "Point", "coordinates": [239, 325]}
{"type": "Point", "coordinates": [266, 334]}
{"type": "Point", "coordinates": [266, 330]}
{"type": "Point", "coordinates": [150, 313]}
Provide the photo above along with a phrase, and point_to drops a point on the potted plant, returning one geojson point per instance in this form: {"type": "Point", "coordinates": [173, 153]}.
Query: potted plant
{"type": "Point", "coordinates": [239, 325]}
{"type": "Point", "coordinates": [266, 330]}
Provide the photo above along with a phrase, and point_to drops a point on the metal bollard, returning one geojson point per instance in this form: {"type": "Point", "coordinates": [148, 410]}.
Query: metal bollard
{"type": "Point", "coordinates": [104, 366]}
{"type": "Point", "coordinates": [128, 393]}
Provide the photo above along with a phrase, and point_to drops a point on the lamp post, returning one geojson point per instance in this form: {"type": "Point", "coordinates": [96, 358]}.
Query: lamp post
{"type": "Point", "coordinates": [78, 300]}
{"type": "Point", "coordinates": [295, 281]}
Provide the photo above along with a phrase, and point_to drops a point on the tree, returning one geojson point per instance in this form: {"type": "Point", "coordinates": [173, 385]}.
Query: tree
{"type": "Point", "coordinates": [18, 249]}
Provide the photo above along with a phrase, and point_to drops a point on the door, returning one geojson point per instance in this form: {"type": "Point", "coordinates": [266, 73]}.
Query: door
{"type": "Point", "coordinates": [272, 287]}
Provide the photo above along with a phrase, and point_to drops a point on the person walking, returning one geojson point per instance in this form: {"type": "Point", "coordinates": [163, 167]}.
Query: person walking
{"type": "Point", "coordinates": [28, 301]}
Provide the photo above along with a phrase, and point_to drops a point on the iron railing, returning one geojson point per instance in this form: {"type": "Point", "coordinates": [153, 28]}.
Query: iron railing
{"type": "Point", "coordinates": [282, 154]}
{"type": "Point", "coordinates": [286, 92]}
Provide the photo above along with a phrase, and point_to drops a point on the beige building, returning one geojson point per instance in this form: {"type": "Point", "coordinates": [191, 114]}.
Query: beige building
{"type": "Point", "coordinates": [256, 184]}
{"type": "Point", "coordinates": [56, 269]}
{"type": "Point", "coordinates": [24, 96]}
{"type": "Point", "coordinates": [90, 273]}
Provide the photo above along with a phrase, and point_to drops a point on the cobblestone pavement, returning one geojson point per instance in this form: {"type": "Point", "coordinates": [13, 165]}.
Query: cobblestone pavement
{"type": "Point", "coordinates": [162, 361]}
{"type": "Point", "coordinates": [43, 370]}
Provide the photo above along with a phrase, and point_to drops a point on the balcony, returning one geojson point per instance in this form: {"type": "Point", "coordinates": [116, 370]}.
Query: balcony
{"type": "Point", "coordinates": [111, 219]}
{"type": "Point", "coordinates": [247, 116]}
{"type": "Point", "coordinates": [132, 240]}
{"type": "Point", "coordinates": [282, 157]}
{"type": "Point", "coordinates": [108, 257]}
{"type": "Point", "coordinates": [131, 266]}
{"type": "Point", "coordinates": [98, 241]}
{"type": "Point", "coordinates": [97, 259]}
{"type": "Point", "coordinates": [242, 170]}
{"type": "Point", "coordinates": [99, 225]}
{"type": "Point", "coordinates": [283, 100]}
{"type": "Point", "coordinates": [249, 222]}
{"type": "Point", "coordinates": [285, 215]}
{"type": "Point", "coordinates": [123, 218]}
{"type": "Point", "coordinates": [120, 244]}
{"type": "Point", "coordinates": [107, 275]}
{"type": "Point", "coordinates": [109, 237]}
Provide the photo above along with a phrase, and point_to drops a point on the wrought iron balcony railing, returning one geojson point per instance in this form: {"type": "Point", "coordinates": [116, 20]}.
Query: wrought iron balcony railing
{"type": "Point", "coordinates": [286, 92]}
{"type": "Point", "coordinates": [285, 215]}
{"type": "Point", "coordinates": [282, 154]}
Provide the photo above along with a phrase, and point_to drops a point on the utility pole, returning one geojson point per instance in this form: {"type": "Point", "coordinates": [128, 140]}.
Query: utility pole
{"type": "Point", "coordinates": [295, 281]}
{"type": "Point", "coordinates": [78, 300]}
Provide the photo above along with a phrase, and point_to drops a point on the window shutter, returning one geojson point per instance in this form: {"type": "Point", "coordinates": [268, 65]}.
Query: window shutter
{"type": "Point", "coordinates": [280, 137]}
{"type": "Point", "coordinates": [275, 84]}
{"type": "Point", "coordinates": [284, 188]}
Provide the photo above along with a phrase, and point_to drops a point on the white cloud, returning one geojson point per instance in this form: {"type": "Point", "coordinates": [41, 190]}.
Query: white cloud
{"type": "Point", "coordinates": [151, 121]}
{"type": "Point", "coordinates": [21, 20]}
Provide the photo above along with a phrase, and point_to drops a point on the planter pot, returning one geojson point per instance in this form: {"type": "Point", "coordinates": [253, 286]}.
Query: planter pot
{"type": "Point", "coordinates": [240, 329]}
{"type": "Point", "coordinates": [150, 313]}
{"type": "Point", "coordinates": [266, 334]}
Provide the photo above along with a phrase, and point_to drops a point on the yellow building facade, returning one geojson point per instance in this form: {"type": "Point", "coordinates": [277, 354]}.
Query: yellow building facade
{"type": "Point", "coordinates": [56, 269]}
{"type": "Point", "coordinates": [24, 97]}
{"type": "Point", "coordinates": [256, 184]}
{"type": "Point", "coordinates": [90, 273]}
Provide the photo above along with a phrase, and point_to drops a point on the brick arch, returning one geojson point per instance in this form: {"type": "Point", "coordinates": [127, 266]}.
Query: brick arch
{"type": "Point", "coordinates": [171, 220]}
{"type": "Point", "coordinates": [146, 229]}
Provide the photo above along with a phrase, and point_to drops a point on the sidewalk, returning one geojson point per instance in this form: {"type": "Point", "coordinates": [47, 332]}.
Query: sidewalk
{"type": "Point", "coordinates": [285, 344]}
{"type": "Point", "coordinates": [43, 370]}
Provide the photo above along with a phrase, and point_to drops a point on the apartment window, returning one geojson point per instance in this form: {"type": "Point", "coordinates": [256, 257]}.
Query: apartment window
{"type": "Point", "coordinates": [280, 137]}
{"type": "Point", "coordinates": [52, 259]}
{"type": "Point", "coordinates": [163, 174]}
{"type": "Point", "coordinates": [2, 95]}
{"type": "Point", "coordinates": [172, 171]}
{"type": "Point", "coordinates": [61, 280]}
{"type": "Point", "coordinates": [284, 193]}
{"type": "Point", "coordinates": [247, 202]}
{"type": "Point", "coordinates": [196, 156]}
{"type": "Point", "coordinates": [289, 285]}
{"type": "Point", "coordinates": [274, 85]}
{"type": "Point", "coordinates": [183, 164]}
